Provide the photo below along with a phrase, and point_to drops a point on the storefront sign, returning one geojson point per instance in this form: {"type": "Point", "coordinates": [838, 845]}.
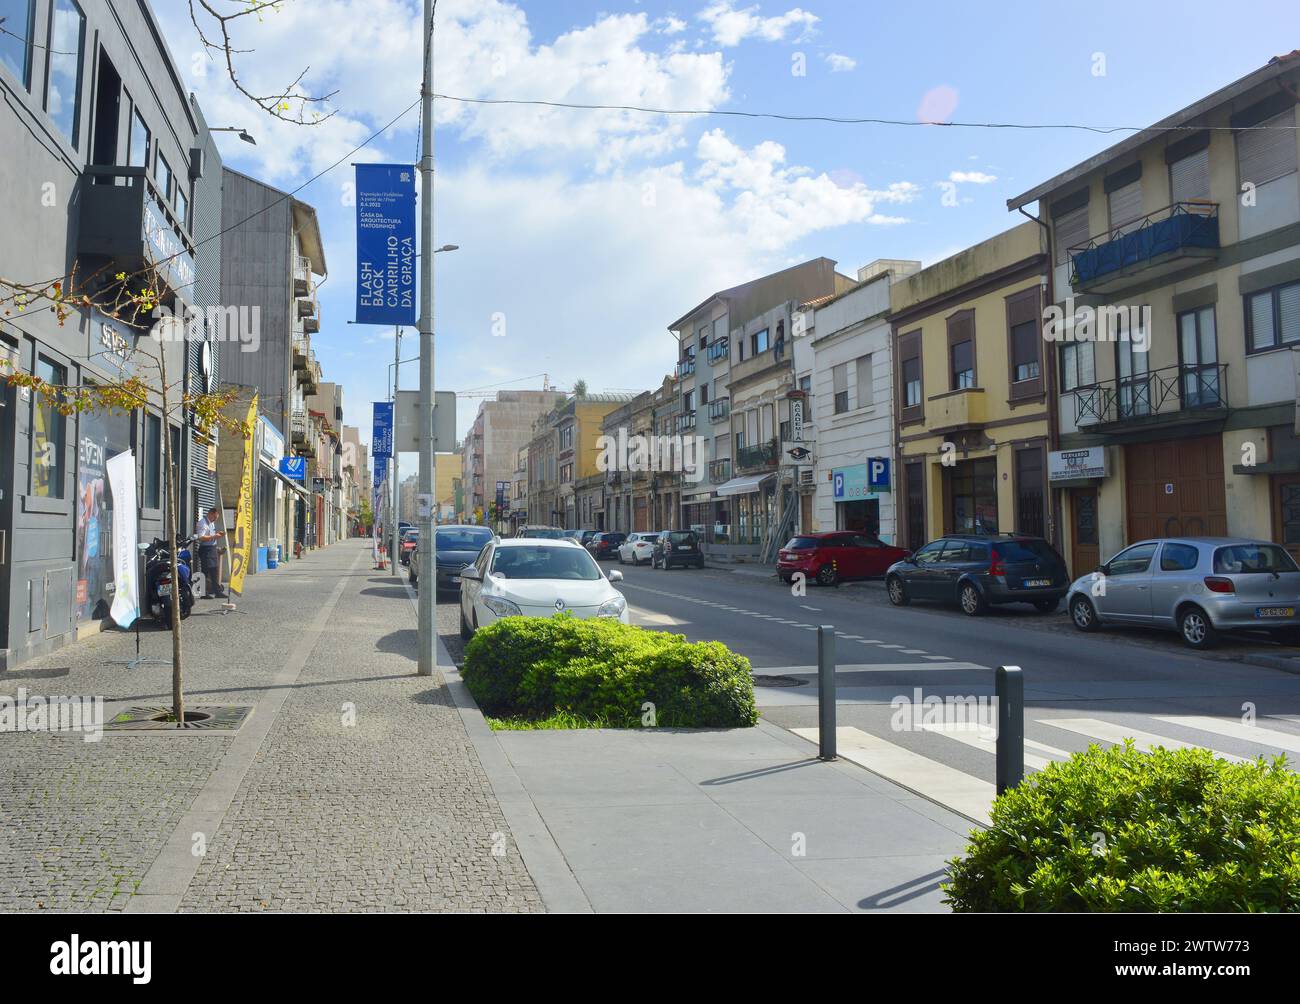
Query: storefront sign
{"type": "Point", "coordinates": [849, 483]}
{"type": "Point", "coordinates": [241, 548]}
{"type": "Point", "coordinates": [111, 344]}
{"type": "Point", "coordinates": [1073, 465]}
{"type": "Point", "coordinates": [796, 419]}
{"type": "Point", "coordinates": [270, 445]}
{"type": "Point", "coordinates": [878, 474]}
{"type": "Point", "coordinates": [294, 468]}
{"type": "Point", "coordinates": [798, 452]}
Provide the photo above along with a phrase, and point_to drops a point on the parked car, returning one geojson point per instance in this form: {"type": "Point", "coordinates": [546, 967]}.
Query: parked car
{"type": "Point", "coordinates": [833, 557]}
{"type": "Point", "coordinates": [978, 571]}
{"type": "Point", "coordinates": [605, 544]}
{"type": "Point", "coordinates": [1199, 586]}
{"type": "Point", "coordinates": [455, 547]}
{"type": "Point", "coordinates": [407, 544]}
{"type": "Point", "coordinates": [536, 577]}
{"type": "Point", "coordinates": [676, 547]}
{"type": "Point", "coordinates": [541, 532]}
{"type": "Point", "coordinates": [637, 547]}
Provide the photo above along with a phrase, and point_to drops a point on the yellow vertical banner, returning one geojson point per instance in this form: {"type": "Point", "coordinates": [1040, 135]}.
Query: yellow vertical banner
{"type": "Point", "coordinates": [241, 548]}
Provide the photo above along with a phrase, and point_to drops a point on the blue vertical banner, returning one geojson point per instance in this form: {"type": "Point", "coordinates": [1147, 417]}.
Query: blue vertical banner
{"type": "Point", "coordinates": [386, 246]}
{"type": "Point", "coordinates": [381, 440]}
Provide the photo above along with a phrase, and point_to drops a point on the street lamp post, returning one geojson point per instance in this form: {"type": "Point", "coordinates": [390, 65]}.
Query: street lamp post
{"type": "Point", "coordinates": [394, 505]}
{"type": "Point", "coordinates": [427, 656]}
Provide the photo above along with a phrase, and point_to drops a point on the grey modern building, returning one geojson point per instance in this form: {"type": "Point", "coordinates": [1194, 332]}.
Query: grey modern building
{"type": "Point", "coordinates": [106, 166]}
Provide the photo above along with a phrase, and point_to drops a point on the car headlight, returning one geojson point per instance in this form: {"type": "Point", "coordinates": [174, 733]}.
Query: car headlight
{"type": "Point", "coordinates": [502, 608]}
{"type": "Point", "coordinates": [613, 607]}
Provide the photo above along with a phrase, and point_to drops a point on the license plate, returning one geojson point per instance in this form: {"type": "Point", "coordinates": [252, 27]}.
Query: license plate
{"type": "Point", "coordinates": [164, 590]}
{"type": "Point", "coordinates": [1275, 611]}
{"type": "Point", "coordinates": [1035, 583]}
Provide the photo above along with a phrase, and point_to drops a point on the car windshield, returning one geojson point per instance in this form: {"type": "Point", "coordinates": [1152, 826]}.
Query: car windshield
{"type": "Point", "coordinates": [544, 563]}
{"type": "Point", "coordinates": [1242, 559]}
{"type": "Point", "coordinates": [543, 533]}
{"type": "Point", "coordinates": [462, 540]}
{"type": "Point", "coordinates": [682, 537]}
{"type": "Point", "coordinates": [802, 543]}
{"type": "Point", "coordinates": [1024, 550]}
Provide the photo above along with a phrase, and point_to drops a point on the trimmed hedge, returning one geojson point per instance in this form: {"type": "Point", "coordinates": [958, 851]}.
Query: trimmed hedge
{"type": "Point", "coordinates": [1121, 830]}
{"type": "Point", "coordinates": [533, 667]}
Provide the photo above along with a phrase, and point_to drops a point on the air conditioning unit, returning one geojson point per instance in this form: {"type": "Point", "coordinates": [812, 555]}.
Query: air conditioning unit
{"type": "Point", "coordinates": [807, 477]}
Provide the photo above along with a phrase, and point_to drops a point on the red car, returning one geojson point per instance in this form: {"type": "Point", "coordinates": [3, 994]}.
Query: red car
{"type": "Point", "coordinates": [832, 557]}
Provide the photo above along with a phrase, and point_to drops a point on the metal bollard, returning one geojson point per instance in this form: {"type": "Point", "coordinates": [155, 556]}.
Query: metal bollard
{"type": "Point", "coordinates": [1010, 690]}
{"type": "Point", "coordinates": [826, 691]}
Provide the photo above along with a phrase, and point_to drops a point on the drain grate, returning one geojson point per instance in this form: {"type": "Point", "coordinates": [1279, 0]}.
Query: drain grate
{"type": "Point", "coordinates": [778, 681]}
{"type": "Point", "coordinates": [202, 717]}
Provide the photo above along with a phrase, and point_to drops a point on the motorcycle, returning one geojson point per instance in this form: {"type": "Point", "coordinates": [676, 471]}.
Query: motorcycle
{"type": "Point", "coordinates": [158, 578]}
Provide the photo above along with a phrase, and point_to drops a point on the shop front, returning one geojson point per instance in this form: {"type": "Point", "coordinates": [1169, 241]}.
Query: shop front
{"type": "Point", "coordinates": [745, 514]}
{"type": "Point", "coordinates": [101, 438]}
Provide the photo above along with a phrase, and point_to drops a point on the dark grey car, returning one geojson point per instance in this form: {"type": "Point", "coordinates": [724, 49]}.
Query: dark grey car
{"type": "Point", "coordinates": [976, 572]}
{"type": "Point", "coordinates": [455, 547]}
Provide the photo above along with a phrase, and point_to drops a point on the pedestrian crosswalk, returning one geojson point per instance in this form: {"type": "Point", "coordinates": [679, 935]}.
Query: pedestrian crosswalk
{"type": "Point", "coordinates": [897, 759]}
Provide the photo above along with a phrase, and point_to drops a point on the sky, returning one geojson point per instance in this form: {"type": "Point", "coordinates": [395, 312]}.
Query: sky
{"type": "Point", "coordinates": [583, 234]}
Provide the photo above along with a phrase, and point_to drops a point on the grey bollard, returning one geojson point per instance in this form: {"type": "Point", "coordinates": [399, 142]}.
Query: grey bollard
{"type": "Point", "coordinates": [826, 691]}
{"type": "Point", "coordinates": [1010, 690]}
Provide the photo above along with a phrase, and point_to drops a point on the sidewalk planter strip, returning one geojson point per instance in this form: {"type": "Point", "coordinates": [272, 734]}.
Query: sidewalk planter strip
{"type": "Point", "coordinates": [1118, 830]}
{"type": "Point", "coordinates": [603, 673]}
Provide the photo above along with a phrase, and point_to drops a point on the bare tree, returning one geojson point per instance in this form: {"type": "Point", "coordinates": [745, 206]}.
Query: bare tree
{"type": "Point", "coordinates": [291, 104]}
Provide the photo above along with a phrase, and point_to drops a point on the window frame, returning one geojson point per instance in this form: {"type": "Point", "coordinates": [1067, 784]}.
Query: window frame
{"type": "Point", "coordinates": [909, 348]}
{"type": "Point", "coordinates": [1274, 293]}
{"type": "Point", "coordinates": [59, 371]}
{"type": "Point", "coordinates": [961, 329]}
{"type": "Point", "coordinates": [29, 48]}
{"type": "Point", "coordinates": [1024, 307]}
{"type": "Point", "coordinates": [73, 141]}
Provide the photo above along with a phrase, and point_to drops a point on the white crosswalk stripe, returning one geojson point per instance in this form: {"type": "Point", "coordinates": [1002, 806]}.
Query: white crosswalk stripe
{"type": "Point", "coordinates": [1095, 728]}
{"type": "Point", "coordinates": [1288, 741]}
{"type": "Point", "coordinates": [986, 739]}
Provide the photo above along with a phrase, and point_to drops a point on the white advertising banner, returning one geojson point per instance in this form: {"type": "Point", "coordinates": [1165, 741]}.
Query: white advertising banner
{"type": "Point", "coordinates": [1072, 465]}
{"type": "Point", "coordinates": [126, 585]}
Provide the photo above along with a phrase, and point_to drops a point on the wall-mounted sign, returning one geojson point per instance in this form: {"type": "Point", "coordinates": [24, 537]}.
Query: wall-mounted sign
{"type": "Point", "coordinates": [1072, 465]}
{"type": "Point", "coordinates": [878, 474]}
{"type": "Point", "coordinates": [800, 453]}
{"type": "Point", "coordinates": [294, 468]}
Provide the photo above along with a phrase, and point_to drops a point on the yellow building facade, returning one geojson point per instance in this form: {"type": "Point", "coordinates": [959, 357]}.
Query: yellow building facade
{"type": "Point", "coordinates": [973, 385]}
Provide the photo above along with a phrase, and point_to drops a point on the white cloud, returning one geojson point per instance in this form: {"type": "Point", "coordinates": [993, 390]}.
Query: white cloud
{"type": "Point", "coordinates": [731, 26]}
{"type": "Point", "coordinates": [670, 25]}
{"type": "Point", "coordinates": [971, 177]}
{"type": "Point", "coordinates": [840, 63]}
{"type": "Point", "coordinates": [774, 205]}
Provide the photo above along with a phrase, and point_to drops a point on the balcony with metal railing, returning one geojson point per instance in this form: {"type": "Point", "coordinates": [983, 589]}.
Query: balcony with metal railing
{"type": "Point", "coordinates": [125, 218]}
{"type": "Point", "coordinates": [1172, 395]}
{"type": "Point", "coordinates": [1164, 241]}
{"type": "Point", "coordinates": [756, 458]}
{"type": "Point", "coordinates": [301, 351]}
{"type": "Point", "coordinates": [720, 409]}
{"type": "Point", "coordinates": [301, 276]}
{"type": "Point", "coordinates": [719, 350]}
{"type": "Point", "coordinates": [685, 367]}
{"type": "Point", "coordinates": [719, 470]}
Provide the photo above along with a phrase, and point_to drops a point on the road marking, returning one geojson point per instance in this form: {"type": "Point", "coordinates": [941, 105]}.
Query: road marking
{"type": "Point", "coordinates": [807, 607]}
{"type": "Point", "coordinates": [938, 658]}
{"type": "Point", "coordinates": [1109, 732]}
{"type": "Point", "coordinates": [1236, 730]}
{"type": "Point", "coordinates": [645, 617]}
{"type": "Point", "coordinates": [867, 667]}
{"type": "Point", "coordinates": [914, 651]}
{"type": "Point", "coordinates": [986, 739]}
{"type": "Point", "coordinates": [936, 781]}
{"type": "Point", "coordinates": [852, 637]}
{"type": "Point", "coordinates": [869, 641]}
{"type": "Point", "coordinates": [883, 645]}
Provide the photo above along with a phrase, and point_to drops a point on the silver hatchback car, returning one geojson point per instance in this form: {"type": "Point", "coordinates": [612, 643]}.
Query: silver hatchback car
{"type": "Point", "coordinates": [1198, 586]}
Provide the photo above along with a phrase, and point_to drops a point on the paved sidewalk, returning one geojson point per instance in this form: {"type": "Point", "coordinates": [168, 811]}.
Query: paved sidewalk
{"type": "Point", "coordinates": [353, 785]}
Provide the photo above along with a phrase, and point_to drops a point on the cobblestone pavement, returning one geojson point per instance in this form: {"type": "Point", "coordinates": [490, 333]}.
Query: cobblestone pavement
{"type": "Point", "coordinates": [366, 793]}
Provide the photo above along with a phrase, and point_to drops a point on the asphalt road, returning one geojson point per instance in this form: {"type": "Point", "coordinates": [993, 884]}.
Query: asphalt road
{"type": "Point", "coordinates": [1079, 689]}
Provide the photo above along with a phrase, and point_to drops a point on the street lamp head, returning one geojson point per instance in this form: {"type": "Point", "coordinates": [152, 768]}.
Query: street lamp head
{"type": "Point", "coordinates": [244, 134]}
{"type": "Point", "coordinates": [246, 137]}
{"type": "Point", "coordinates": [448, 247]}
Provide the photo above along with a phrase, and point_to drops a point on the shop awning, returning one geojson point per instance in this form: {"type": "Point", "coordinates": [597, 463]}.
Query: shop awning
{"type": "Point", "coordinates": [693, 497]}
{"type": "Point", "coordinates": [745, 485]}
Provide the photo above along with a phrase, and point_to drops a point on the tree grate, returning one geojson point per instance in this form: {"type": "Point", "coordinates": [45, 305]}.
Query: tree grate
{"type": "Point", "coordinates": [201, 717]}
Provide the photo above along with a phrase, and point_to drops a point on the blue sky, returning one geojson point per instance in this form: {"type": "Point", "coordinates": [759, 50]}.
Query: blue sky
{"type": "Point", "coordinates": [589, 232]}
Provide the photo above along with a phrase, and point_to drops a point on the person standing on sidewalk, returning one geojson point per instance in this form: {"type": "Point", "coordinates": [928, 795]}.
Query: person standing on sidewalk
{"type": "Point", "coordinates": [209, 554]}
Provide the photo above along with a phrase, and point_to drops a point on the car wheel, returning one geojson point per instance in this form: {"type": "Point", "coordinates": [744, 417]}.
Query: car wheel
{"type": "Point", "coordinates": [1083, 614]}
{"type": "Point", "coordinates": [827, 575]}
{"type": "Point", "coordinates": [465, 631]}
{"type": "Point", "coordinates": [971, 600]}
{"type": "Point", "coordinates": [1046, 606]}
{"type": "Point", "coordinates": [1195, 627]}
{"type": "Point", "coordinates": [897, 591]}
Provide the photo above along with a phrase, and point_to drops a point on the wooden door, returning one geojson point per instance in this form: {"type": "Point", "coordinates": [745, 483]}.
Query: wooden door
{"type": "Point", "coordinates": [1286, 512]}
{"type": "Point", "coordinates": [1085, 549]}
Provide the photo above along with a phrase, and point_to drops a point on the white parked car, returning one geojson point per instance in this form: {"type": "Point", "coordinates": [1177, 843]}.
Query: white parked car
{"type": "Point", "coordinates": [536, 577]}
{"type": "Point", "coordinates": [638, 547]}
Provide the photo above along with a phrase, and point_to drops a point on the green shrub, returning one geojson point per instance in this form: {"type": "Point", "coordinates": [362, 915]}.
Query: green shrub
{"type": "Point", "coordinates": [533, 668]}
{"type": "Point", "coordinates": [1121, 830]}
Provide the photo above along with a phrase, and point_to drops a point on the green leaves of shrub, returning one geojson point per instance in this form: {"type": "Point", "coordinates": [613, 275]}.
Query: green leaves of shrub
{"type": "Point", "coordinates": [1121, 830]}
{"type": "Point", "coordinates": [598, 669]}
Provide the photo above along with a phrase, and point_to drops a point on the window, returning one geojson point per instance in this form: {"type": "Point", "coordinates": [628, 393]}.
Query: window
{"type": "Point", "coordinates": [910, 376]}
{"type": "Point", "coordinates": [182, 207]}
{"type": "Point", "coordinates": [1078, 365]}
{"type": "Point", "coordinates": [863, 366]}
{"type": "Point", "coordinates": [138, 152]}
{"type": "Point", "coordinates": [49, 430]}
{"type": "Point", "coordinates": [1132, 561]}
{"type": "Point", "coordinates": [16, 39]}
{"type": "Point", "coordinates": [961, 350]}
{"type": "Point", "coordinates": [1178, 558]}
{"type": "Point", "coordinates": [1198, 354]}
{"type": "Point", "coordinates": [1124, 199]}
{"type": "Point", "coordinates": [720, 329]}
{"type": "Point", "coordinates": [1273, 317]}
{"type": "Point", "coordinates": [1267, 150]}
{"type": "Point", "coordinates": [758, 342]}
{"type": "Point", "coordinates": [566, 437]}
{"type": "Point", "coordinates": [1024, 352]}
{"type": "Point", "coordinates": [163, 177]}
{"type": "Point", "coordinates": [963, 364]}
{"type": "Point", "coordinates": [152, 457]}
{"type": "Point", "coordinates": [1071, 228]}
{"type": "Point", "coordinates": [704, 394]}
{"type": "Point", "coordinates": [840, 384]}
{"type": "Point", "coordinates": [67, 36]}
{"type": "Point", "coordinates": [1189, 177]}
{"type": "Point", "coordinates": [805, 385]}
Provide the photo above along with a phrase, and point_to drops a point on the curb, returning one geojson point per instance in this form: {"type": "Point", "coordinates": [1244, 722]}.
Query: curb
{"type": "Point", "coordinates": [542, 857]}
{"type": "Point", "coordinates": [1287, 664]}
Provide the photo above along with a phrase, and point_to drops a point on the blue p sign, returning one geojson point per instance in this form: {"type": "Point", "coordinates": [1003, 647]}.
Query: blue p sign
{"type": "Point", "coordinates": [878, 474]}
